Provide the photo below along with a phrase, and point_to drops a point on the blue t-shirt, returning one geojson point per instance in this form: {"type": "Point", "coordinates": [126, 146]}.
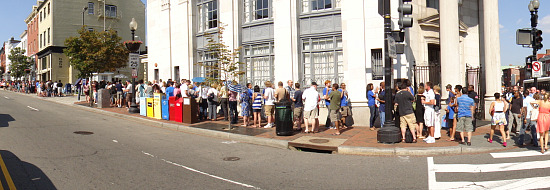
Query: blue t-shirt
{"type": "Point", "coordinates": [412, 90]}
{"type": "Point", "coordinates": [451, 111]}
{"type": "Point", "coordinates": [327, 91]}
{"type": "Point", "coordinates": [344, 101]}
{"type": "Point", "coordinates": [169, 91]}
{"type": "Point", "coordinates": [382, 105]}
{"type": "Point", "coordinates": [250, 93]}
{"type": "Point", "coordinates": [464, 104]}
{"type": "Point", "coordinates": [370, 96]}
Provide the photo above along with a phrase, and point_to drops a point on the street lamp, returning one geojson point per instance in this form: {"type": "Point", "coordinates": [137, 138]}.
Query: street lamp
{"type": "Point", "coordinates": [533, 8]}
{"type": "Point", "coordinates": [83, 11]}
{"type": "Point", "coordinates": [133, 107]}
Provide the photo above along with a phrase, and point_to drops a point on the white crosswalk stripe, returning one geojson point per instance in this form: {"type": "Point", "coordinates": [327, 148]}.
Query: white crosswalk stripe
{"type": "Point", "coordinates": [520, 183]}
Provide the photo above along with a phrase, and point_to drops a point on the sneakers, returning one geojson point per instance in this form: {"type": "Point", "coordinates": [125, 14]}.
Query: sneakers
{"type": "Point", "coordinates": [430, 140]}
{"type": "Point", "coordinates": [269, 125]}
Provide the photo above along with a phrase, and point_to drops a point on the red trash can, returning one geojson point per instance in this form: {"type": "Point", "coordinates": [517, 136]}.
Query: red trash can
{"type": "Point", "coordinates": [171, 106]}
{"type": "Point", "coordinates": [178, 110]}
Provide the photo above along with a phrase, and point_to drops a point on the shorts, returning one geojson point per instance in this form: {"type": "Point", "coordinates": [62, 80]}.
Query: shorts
{"type": "Point", "coordinates": [464, 124]}
{"type": "Point", "coordinates": [407, 120]}
{"type": "Point", "coordinates": [499, 118]}
{"type": "Point", "coordinates": [429, 117]}
{"type": "Point", "coordinates": [298, 112]}
{"type": "Point", "coordinates": [346, 111]}
{"type": "Point", "coordinates": [335, 115]}
{"type": "Point", "coordinates": [119, 95]}
{"type": "Point", "coordinates": [311, 114]}
{"type": "Point", "coordinates": [129, 97]}
{"type": "Point", "coordinates": [257, 110]}
{"type": "Point", "coordinates": [269, 110]}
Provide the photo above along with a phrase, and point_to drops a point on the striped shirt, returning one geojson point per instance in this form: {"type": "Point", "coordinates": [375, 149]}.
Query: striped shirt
{"type": "Point", "coordinates": [257, 104]}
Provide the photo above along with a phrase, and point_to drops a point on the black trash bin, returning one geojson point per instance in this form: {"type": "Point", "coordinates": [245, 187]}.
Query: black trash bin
{"type": "Point", "coordinates": [283, 118]}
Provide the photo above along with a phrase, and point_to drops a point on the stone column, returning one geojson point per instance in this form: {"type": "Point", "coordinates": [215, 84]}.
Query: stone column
{"type": "Point", "coordinates": [491, 48]}
{"type": "Point", "coordinates": [286, 39]}
{"type": "Point", "coordinates": [449, 44]}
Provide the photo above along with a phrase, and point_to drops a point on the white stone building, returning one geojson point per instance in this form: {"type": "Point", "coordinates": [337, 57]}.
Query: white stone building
{"type": "Point", "coordinates": [337, 40]}
{"type": "Point", "coordinates": [8, 46]}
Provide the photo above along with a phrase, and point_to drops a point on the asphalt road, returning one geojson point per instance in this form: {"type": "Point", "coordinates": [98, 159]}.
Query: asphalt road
{"type": "Point", "coordinates": [41, 151]}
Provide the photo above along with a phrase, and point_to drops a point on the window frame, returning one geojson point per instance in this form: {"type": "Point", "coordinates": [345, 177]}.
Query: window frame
{"type": "Point", "coordinates": [91, 8]}
{"type": "Point", "coordinates": [377, 64]}
{"type": "Point", "coordinates": [250, 10]}
{"type": "Point", "coordinates": [204, 22]}
{"type": "Point", "coordinates": [204, 59]}
{"type": "Point", "coordinates": [337, 50]}
{"type": "Point", "coordinates": [306, 6]}
{"type": "Point", "coordinates": [109, 11]}
{"type": "Point", "coordinates": [250, 66]}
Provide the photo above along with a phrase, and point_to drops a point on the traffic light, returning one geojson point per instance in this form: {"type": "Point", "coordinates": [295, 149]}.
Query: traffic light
{"type": "Point", "coordinates": [537, 41]}
{"type": "Point", "coordinates": [405, 10]}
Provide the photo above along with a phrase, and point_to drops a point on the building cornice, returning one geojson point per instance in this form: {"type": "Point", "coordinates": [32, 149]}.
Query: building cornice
{"type": "Point", "coordinates": [49, 50]}
{"type": "Point", "coordinates": [32, 14]}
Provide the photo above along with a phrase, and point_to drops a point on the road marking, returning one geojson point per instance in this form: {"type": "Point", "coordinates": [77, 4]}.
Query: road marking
{"type": "Point", "coordinates": [6, 97]}
{"type": "Point", "coordinates": [517, 154]}
{"type": "Point", "coordinates": [115, 141]}
{"type": "Point", "coordinates": [203, 173]}
{"type": "Point", "coordinates": [6, 174]}
{"type": "Point", "coordinates": [525, 183]}
{"type": "Point", "coordinates": [483, 168]}
{"type": "Point", "coordinates": [229, 142]}
{"type": "Point", "coordinates": [33, 108]}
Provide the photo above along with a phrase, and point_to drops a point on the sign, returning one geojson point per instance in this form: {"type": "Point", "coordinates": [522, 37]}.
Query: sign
{"type": "Point", "coordinates": [537, 69]}
{"type": "Point", "coordinates": [134, 73]}
{"type": "Point", "coordinates": [392, 50]}
{"type": "Point", "coordinates": [133, 60]}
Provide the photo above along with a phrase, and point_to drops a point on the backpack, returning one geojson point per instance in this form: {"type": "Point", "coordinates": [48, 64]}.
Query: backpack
{"type": "Point", "coordinates": [113, 89]}
{"type": "Point", "coordinates": [211, 97]}
{"type": "Point", "coordinates": [408, 136]}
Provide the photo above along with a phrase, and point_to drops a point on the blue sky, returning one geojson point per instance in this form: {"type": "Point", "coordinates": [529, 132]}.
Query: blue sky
{"type": "Point", "coordinates": [513, 15]}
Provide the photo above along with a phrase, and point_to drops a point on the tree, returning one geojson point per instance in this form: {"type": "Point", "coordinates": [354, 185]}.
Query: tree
{"type": "Point", "coordinates": [227, 66]}
{"type": "Point", "coordinates": [19, 62]}
{"type": "Point", "coordinates": [95, 51]}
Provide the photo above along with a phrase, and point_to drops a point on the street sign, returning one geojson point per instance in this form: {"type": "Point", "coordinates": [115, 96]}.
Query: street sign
{"type": "Point", "coordinates": [537, 69]}
{"type": "Point", "coordinates": [392, 50]}
{"type": "Point", "coordinates": [134, 73]}
{"type": "Point", "coordinates": [133, 60]}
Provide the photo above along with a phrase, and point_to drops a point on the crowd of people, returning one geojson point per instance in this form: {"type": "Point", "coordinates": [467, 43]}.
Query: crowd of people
{"type": "Point", "coordinates": [44, 89]}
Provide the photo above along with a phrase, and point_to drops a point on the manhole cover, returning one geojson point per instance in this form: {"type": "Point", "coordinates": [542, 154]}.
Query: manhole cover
{"type": "Point", "coordinates": [231, 158]}
{"type": "Point", "coordinates": [83, 132]}
{"type": "Point", "coordinates": [319, 141]}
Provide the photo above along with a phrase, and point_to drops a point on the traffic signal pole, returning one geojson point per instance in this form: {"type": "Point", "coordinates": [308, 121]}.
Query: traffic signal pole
{"type": "Point", "coordinates": [388, 65]}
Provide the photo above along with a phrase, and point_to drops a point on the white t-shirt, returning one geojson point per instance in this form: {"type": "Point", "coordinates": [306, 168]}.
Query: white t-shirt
{"type": "Point", "coordinates": [527, 104]}
{"type": "Point", "coordinates": [184, 90]}
{"type": "Point", "coordinates": [213, 91]}
{"type": "Point", "coordinates": [311, 99]}
{"type": "Point", "coordinates": [270, 94]}
{"type": "Point", "coordinates": [430, 95]}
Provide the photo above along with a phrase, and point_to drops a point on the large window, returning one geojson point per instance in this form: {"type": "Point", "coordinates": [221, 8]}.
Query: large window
{"type": "Point", "coordinates": [257, 10]}
{"type": "Point", "coordinates": [322, 59]}
{"type": "Point", "coordinates": [208, 14]}
{"type": "Point", "coordinates": [259, 61]}
{"type": "Point", "coordinates": [317, 5]}
{"type": "Point", "coordinates": [377, 64]}
{"type": "Point", "coordinates": [207, 65]}
{"type": "Point", "coordinates": [90, 8]}
{"type": "Point", "coordinates": [432, 4]}
{"type": "Point", "coordinates": [110, 11]}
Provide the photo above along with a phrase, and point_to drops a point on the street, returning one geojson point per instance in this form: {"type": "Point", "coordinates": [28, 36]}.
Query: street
{"type": "Point", "coordinates": [41, 150]}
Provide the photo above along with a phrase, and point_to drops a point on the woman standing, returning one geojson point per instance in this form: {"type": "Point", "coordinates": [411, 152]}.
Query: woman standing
{"type": "Point", "coordinates": [371, 97]}
{"type": "Point", "coordinates": [543, 121]}
{"type": "Point", "coordinates": [245, 109]}
{"type": "Point", "coordinates": [499, 118]}
{"type": "Point", "coordinates": [212, 97]}
{"type": "Point", "coordinates": [257, 106]}
{"type": "Point", "coordinates": [437, 108]}
{"type": "Point", "coordinates": [451, 119]}
{"type": "Point", "coordinates": [419, 112]}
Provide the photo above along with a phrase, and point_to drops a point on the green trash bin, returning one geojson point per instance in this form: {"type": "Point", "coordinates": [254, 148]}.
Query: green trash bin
{"type": "Point", "coordinates": [283, 118]}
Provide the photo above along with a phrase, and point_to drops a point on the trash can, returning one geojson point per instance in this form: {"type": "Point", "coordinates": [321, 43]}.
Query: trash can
{"type": "Point", "coordinates": [175, 109]}
{"type": "Point", "coordinates": [283, 118]}
{"type": "Point", "coordinates": [143, 106]}
{"type": "Point", "coordinates": [150, 108]}
{"type": "Point", "coordinates": [165, 109]}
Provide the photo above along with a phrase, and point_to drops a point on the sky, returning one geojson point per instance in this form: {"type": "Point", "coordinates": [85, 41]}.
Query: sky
{"type": "Point", "coordinates": [513, 14]}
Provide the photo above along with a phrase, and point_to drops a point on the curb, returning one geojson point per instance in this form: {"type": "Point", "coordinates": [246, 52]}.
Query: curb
{"type": "Point", "coordinates": [283, 144]}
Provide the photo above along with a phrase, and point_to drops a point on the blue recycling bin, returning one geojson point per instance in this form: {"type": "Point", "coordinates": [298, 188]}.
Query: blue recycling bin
{"type": "Point", "coordinates": [143, 106]}
{"type": "Point", "coordinates": [165, 106]}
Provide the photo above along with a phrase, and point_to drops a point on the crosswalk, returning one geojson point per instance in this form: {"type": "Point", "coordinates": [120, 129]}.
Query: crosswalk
{"type": "Point", "coordinates": [520, 183]}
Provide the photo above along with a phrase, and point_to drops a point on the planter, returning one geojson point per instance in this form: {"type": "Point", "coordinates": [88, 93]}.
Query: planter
{"type": "Point", "coordinates": [132, 46]}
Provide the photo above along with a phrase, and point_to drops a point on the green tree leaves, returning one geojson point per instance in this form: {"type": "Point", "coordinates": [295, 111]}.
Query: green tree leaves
{"type": "Point", "coordinates": [19, 62]}
{"type": "Point", "coordinates": [95, 51]}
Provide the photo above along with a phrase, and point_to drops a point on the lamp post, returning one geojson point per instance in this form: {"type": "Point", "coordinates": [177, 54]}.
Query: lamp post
{"type": "Point", "coordinates": [533, 8]}
{"type": "Point", "coordinates": [83, 11]}
{"type": "Point", "coordinates": [133, 107]}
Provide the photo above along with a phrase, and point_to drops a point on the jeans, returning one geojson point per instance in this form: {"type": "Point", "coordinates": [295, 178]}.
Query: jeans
{"type": "Point", "coordinates": [212, 110]}
{"type": "Point", "coordinates": [372, 115]}
{"type": "Point", "coordinates": [514, 117]}
{"type": "Point", "coordinates": [533, 126]}
{"type": "Point", "coordinates": [203, 112]}
{"type": "Point", "coordinates": [233, 112]}
{"type": "Point", "coordinates": [382, 118]}
{"type": "Point", "coordinates": [224, 107]}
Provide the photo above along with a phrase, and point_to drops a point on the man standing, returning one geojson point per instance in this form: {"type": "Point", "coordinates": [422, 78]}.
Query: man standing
{"type": "Point", "coordinates": [466, 110]}
{"type": "Point", "coordinates": [429, 113]}
{"type": "Point", "coordinates": [449, 89]}
{"type": "Point", "coordinates": [516, 106]}
{"type": "Point", "coordinates": [382, 107]}
{"type": "Point", "coordinates": [335, 98]}
{"type": "Point", "coordinates": [311, 100]}
{"type": "Point", "coordinates": [345, 104]}
{"type": "Point", "coordinates": [528, 121]}
{"type": "Point", "coordinates": [59, 89]}
{"type": "Point", "coordinates": [119, 94]}
{"type": "Point", "coordinates": [326, 92]}
{"type": "Point", "coordinates": [404, 100]}
{"type": "Point", "coordinates": [298, 107]}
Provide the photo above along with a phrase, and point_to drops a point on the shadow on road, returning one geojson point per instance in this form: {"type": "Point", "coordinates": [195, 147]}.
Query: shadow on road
{"type": "Point", "coordinates": [24, 175]}
{"type": "Point", "coordinates": [4, 119]}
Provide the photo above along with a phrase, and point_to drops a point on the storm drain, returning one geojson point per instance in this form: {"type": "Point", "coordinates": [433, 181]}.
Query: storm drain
{"type": "Point", "coordinates": [83, 132]}
{"type": "Point", "coordinates": [231, 158]}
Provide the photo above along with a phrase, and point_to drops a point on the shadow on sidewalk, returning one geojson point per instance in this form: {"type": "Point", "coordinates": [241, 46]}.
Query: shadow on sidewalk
{"type": "Point", "coordinates": [5, 119]}
{"type": "Point", "coordinates": [24, 175]}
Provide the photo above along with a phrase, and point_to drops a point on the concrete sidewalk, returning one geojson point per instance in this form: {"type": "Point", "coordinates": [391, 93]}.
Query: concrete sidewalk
{"type": "Point", "coordinates": [355, 140]}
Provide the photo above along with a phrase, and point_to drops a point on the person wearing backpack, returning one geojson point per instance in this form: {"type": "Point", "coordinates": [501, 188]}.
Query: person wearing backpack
{"type": "Point", "coordinates": [212, 97]}
{"type": "Point", "coordinates": [407, 118]}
